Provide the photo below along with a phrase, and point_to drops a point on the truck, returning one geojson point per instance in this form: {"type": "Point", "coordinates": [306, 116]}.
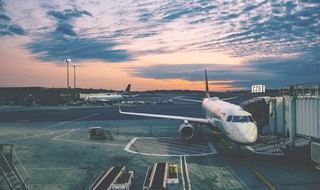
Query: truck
{"type": "Point", "coordinates": [97, 133]}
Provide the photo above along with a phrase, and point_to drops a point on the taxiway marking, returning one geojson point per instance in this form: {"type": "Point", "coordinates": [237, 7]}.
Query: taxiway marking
{"type": "Point", "coordinates": [127, 148]}
{"type": "Point", "coordinates": [65, 122]}
{"type": "Point", "coordinates": [168, 146]}
{"type": "Point", "coordinates": [29, 137]}
{"type": "Point", "coordinates": [264, 153]}
{"type": "Point", "coordinates": [58, 138]}
{"type": "Point", "coordinates": [64, 179]}
{"type": "Point", "coordinates": [261, 177]}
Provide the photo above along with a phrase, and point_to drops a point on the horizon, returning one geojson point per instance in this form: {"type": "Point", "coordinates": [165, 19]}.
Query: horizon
{"type": "Point", "coordinates": [159, 45]}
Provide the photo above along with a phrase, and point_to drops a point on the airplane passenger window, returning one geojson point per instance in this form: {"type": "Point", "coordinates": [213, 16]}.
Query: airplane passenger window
{"type": "Point", "coordinates": [229, 118]}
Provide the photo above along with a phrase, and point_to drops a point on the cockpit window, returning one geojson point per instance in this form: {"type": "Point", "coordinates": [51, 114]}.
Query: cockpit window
{"type": "Point", "coordinates": [250, 118]}
{"type": "Point", "coordinates": [229, 118]}
{"type": "Point", "coordinates": [242, 119]}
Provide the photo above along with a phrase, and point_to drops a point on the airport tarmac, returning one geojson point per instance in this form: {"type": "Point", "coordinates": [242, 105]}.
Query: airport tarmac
{"type": "Point", "coordinates": [54, 146]}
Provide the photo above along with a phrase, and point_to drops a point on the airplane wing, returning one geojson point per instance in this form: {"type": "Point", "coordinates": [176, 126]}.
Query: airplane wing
{"type": "Point", "coordinates": [199, 101]}
{"type": "Point", "coordinates": [229, 98]}
{"type": "Point", "coordinates": [192, 119]}
{"type": "Point", "coordinates": [189, 100]}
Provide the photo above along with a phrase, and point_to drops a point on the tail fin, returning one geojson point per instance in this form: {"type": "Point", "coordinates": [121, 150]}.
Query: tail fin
{"type": "Point", "coordinates": [207, 85]}
{"type": "Point", "coordinates": [127, 91]}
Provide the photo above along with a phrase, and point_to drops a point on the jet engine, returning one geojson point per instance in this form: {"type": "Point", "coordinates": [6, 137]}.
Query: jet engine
{"type": "Point", "coordinates": [186, 131]}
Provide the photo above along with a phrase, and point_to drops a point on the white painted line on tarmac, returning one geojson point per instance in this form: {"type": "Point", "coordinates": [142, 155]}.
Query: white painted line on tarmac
{"type": "Point", "coordinates": [86, 142]}
{"type": "Point", "coordinates": [58, 138]}
{"type": "Point", "coordinates": [29, 137]}
{"type": "Point", "coordinates": [182, 176]}
{"type": "Point", "coordinates": [65, 122]}
{"type": "Point", "coordinates": [157, 153]}
{"type": "Point", "coordinates": [64, 134]}
{"type": "Point", "coordinates": [212, 148]}
{"type": "Point", "coordinates": [187, 173]}
{"type": "Point", "coordinates": [168, 155]}
{"type": "Point", "coordinates": [127, 148]}
{"type": "Point", "coordinates": [264, 153]}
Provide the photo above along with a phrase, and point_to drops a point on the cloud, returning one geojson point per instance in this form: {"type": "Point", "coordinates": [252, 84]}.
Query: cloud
{"type": "Point", "coordinates": [195, 72]}
{"type": "Point", "coordinates": [68, 14]}
{"type": "Point", "coordinates": [279, 39]}
{"type": "Point", "coordinates": [4, 18]}
{"type": "Point", "coordinates": [64, 42]}
{"type": "Point", "coordinates": [273, 72]}
{"type": "Point", "coordinates": [292, 70]}
{"type": "Point", "coordinates": [7, 28]}
{"type": "Point", "coordinates": [288, 27]}
{"type": "Point", "coordinates": [66, 28]}
{"type": "Point", "coordinates": [56, 49]}
{"type": "Point", "coordinates": [65, 19]}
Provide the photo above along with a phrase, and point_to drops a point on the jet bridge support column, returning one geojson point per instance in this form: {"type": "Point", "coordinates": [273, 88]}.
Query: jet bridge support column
{"type": "Point", "coordinates": [290, 119]}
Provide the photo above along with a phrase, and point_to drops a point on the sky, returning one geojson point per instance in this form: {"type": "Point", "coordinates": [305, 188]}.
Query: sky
{"type": "Point", "coordinates": [163, 44]}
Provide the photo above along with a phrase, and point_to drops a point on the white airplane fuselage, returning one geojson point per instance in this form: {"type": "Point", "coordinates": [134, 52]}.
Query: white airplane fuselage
{"type": "Point", "coordinates": [231, 120]}
{"type": "Point", "coordinates": [105, 98]}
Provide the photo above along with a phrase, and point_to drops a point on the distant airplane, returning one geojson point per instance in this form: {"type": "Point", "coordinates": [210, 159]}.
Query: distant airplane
{"type": "Point", "coordinates": [110, 97]}
{"type": "Point", "coordinates": [237, 124]}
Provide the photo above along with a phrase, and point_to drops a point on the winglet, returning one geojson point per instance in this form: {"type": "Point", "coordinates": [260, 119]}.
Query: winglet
{"type": "Point", "coordinates": [207, 85]}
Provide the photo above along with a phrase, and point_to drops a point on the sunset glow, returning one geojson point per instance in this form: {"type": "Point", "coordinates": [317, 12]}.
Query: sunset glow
{"type": "Point", "coordinates": [159, 44]}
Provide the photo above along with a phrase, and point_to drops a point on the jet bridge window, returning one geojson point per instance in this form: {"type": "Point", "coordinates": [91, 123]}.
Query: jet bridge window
{"type": "Point", "coordinates": [242, 119]}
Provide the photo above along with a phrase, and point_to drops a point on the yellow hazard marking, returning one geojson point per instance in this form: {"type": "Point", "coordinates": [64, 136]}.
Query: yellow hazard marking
{"type": "Point", "coordinates": [64, 179]}
{"type": "Point", "coordinates": [253, 169]}
{"type": "Point", "coordinates": [260, 176]}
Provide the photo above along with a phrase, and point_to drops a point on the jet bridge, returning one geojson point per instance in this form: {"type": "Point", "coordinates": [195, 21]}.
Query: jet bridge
{"type": "Point", "coordinates": [293, 115]}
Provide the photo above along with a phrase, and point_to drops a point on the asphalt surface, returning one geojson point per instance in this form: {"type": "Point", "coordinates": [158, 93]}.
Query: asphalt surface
{"type": "Point", "coordinates": [65, 113]}
{"type": "Point", "coordinates": [52, 143]}
{"type": "Point", "coordinates": [110, 112]}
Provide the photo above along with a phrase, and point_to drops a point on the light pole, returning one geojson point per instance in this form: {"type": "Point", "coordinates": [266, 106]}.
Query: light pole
{"type": "Point", "coordinates": [67, 61]}
{"type": "Point", "coordinates": [74, 75]}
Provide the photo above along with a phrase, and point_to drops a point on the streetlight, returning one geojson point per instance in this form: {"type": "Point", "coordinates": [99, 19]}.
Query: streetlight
{"type": "Point", "coordinates": [74, 75]}
{"type": "Point", "coordinates": [67, 61]}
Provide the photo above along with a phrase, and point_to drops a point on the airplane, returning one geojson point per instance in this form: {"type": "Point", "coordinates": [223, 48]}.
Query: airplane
{"type": "Point", "coordinates": [110, 97]}
{"type": "Point", "coordinates": [234, 122]}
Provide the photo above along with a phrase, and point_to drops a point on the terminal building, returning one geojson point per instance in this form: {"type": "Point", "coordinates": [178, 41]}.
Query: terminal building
{"type": "Point", "coordinates": [29, 96]}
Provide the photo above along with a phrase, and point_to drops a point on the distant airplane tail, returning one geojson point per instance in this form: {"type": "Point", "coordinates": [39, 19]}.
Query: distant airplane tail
{"type": "Point", "coordinates": [127, 90]}
{"type": "Point", "coordinates": [207, 85]}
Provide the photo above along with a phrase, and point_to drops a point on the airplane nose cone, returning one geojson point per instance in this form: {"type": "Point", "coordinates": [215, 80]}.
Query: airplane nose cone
{"type": "Point", "coordinates": [252, 134]}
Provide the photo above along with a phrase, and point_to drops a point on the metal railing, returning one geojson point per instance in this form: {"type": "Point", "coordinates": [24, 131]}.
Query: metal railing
{"type": "Point", "coordinates": [23, 169]}
{"type": "Point", "coordinates": [8, 168]}
{"type": "Point", "coordinates": [310, 90]}
{"type": "Point", "coordinates": [11, 170]}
